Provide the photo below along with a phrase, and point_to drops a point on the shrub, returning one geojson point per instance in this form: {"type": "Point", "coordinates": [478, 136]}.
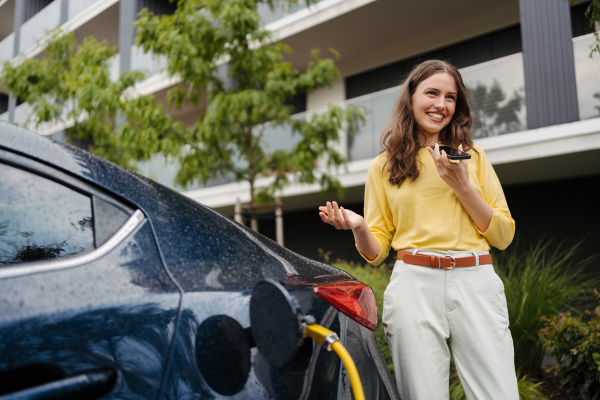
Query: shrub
{"type": "Point", "coordinates": [544, 279]}
{"type": "Point", "coordinates": [576, 346]}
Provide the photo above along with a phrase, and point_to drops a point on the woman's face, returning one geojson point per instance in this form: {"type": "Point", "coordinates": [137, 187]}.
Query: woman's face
{"type": "Point", "coordinates": [433, 103]}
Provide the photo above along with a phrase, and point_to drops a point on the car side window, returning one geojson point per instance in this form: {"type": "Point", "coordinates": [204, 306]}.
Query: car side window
{"type": "Point", "coordinates": [41, 219]}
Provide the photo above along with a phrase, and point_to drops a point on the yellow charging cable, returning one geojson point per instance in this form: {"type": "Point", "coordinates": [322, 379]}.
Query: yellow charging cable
{"type": "Point", "coordinates": [323, 335]}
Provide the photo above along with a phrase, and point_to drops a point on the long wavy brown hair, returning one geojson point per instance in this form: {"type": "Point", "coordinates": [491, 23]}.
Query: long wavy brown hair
{"type": "Point", "coordinates": [399, 138]}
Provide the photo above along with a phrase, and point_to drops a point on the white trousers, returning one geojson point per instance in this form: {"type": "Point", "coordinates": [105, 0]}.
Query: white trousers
{"type": "Point", "coordinates": [428, 312]}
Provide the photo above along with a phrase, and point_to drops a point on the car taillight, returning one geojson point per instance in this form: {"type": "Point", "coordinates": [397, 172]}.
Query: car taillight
{"type": "Point", "coordinates": [353, 298]}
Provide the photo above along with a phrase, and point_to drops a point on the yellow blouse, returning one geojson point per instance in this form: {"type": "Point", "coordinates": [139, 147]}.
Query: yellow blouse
{"type": "Point", "coordinates": [426, 214]}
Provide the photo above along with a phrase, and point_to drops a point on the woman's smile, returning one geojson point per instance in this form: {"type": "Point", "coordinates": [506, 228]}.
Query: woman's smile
{"type": "Point", "coordinates": [436, 116]}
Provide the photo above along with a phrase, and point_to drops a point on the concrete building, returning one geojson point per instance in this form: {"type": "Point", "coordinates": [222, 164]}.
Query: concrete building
{"type": "Point", "coordinates": [534, 92]}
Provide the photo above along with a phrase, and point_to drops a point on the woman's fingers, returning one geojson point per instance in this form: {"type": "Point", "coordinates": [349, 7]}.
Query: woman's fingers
{"type": "Point", "coordinates": [439, 157]}
{"type": "Point", "coordinates": [338, 219]}
{"type": "Point", "coordinates": [334, 215]}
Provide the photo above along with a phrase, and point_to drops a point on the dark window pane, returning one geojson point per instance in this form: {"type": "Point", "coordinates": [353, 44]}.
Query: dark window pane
{"type": "Point", "coordinates": [41, 219]}
{"type": "Point", "coordinates": [33, 7]}
{"type": "Point", "coordinates": [3, 103]}
{"type": "Point", "coordinates": [158, 7]}
{"type": "Point", "coordinates": [107, 219]}
{"type": "Point", "coordinates": [580, 24]}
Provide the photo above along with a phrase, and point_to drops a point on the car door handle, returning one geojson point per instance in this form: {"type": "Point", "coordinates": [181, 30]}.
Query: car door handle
{"type": "Point", "coordinates": [89, 384]}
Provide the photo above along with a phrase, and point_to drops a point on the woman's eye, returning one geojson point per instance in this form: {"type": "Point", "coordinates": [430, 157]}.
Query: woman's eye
{"type": "Point", "coordinates": [451, 98]}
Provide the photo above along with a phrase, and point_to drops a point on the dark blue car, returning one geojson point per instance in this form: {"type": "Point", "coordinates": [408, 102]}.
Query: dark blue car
{"type": "Point", "coordinates": [113, 286]}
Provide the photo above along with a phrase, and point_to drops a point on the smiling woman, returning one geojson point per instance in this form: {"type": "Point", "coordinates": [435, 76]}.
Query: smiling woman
{"type": "Point", "coordinates": [441, 217]}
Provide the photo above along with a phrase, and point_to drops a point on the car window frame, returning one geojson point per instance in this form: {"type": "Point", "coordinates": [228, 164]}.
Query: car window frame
{"type": "Point", "coordinates": [136, 217]}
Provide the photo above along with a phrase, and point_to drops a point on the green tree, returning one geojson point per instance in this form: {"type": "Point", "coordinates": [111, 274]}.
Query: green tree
{"type": "Point", "coordinates": [71, 84]}
{"type": "Point", "coordinates": [225, 59]}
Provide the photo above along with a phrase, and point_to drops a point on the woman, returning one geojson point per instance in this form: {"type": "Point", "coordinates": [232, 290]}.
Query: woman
{"type": "Point", "coordinates": [441, 217]}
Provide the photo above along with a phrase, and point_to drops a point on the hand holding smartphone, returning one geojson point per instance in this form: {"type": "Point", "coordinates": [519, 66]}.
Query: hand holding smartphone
{"type": "Point", "coordinates": [453, 153]}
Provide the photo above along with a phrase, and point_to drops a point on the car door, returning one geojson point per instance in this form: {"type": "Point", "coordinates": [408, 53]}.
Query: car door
{"type": "Point", "coordinates": [87, 309]}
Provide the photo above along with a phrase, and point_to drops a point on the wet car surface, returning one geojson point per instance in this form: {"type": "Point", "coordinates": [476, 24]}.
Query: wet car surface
{"type": "Point", "coordinates": [113, 286]}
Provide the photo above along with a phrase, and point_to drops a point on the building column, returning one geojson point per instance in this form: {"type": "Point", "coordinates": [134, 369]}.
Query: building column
{"type": "Point", "coordinates": [18, 21]}
{"type": "Point", "coordinates": [127, 11]}
{"type": "Point", "coordinates": [64, 11]}
{"type": "Point", "coordinates": [550, 86]}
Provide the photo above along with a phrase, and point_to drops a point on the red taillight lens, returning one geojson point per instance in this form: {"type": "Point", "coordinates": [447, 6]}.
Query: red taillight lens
{"type": "Point", "coordinates": [353, 298]}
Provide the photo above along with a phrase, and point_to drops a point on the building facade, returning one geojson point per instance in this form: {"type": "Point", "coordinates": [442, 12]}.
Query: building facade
{"type": "Point", "coordinates": [534, 92]}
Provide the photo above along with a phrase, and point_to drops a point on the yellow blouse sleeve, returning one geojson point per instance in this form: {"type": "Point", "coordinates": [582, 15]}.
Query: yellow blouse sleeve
{"type": "Point", "coordinates": [378, 215]}
{"type": "Point", "coordinates": [501, 231]}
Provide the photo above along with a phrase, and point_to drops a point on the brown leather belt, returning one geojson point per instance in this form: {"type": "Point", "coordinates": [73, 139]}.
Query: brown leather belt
{"type": "Point", "coordinates": [446, 262]}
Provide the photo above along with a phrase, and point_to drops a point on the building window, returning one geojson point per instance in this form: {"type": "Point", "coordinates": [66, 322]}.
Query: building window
{"type": "Point", "coordinates": [158, 7]}
{"type": "Point", "coordinates": [298, 103]}
{"type": "Point", "coordinates": [3, 103]}
{"type": "Point", "coordinates": [580, 24]}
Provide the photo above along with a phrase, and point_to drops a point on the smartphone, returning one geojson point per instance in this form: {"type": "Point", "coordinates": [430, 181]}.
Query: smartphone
{"type": "Point", "coordinates": [454, 153]}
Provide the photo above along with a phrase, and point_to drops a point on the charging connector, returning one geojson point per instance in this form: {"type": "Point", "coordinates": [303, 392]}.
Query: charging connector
{"type": "Point", "coordinates": [331, 341]}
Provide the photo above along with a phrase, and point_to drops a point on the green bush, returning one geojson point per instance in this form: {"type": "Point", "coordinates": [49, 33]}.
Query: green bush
{"type": "Point", "coordinates": [541, 280]}
{"type": "Point", "coordinates": [575, 344]}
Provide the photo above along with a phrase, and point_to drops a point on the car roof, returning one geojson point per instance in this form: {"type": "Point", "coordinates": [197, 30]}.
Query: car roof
{"type": "Point", "coordinates": [39, 147]}
{"type": "Point", "coordinates": [127, 184]}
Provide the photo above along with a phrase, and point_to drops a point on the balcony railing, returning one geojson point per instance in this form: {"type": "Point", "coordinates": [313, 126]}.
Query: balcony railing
{"type": "Point", "coordinates": [76, 7]}
{"type": "Point", "coordinates": [496, 97]}
{"type": "Point", "coordinates": [6, 49]}
{"type": "Point", "coordinates": [147, 62]}
{"type": "Point", "coordinates": [22, 113]}
{"type": "Point", "coordinates": [496, 91]}
{"type": "Point", "coordinates": [281, 137]}
{"type": "Point", "coordinates": [587, 75]}
{"type": "Point", "coordinates": [269, 15]}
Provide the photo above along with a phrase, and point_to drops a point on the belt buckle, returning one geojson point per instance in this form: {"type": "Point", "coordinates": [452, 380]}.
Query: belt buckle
{"type": "Point", "coordinates": [447, 268]}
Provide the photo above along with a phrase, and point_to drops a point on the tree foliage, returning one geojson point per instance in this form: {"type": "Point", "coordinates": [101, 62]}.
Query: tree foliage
{"type": "Point", "coordinates": [71, 84]}
{"type": "Point", "coordinates": [228, 65]}
{"type": "Point", "coordinates": [225, 59]}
